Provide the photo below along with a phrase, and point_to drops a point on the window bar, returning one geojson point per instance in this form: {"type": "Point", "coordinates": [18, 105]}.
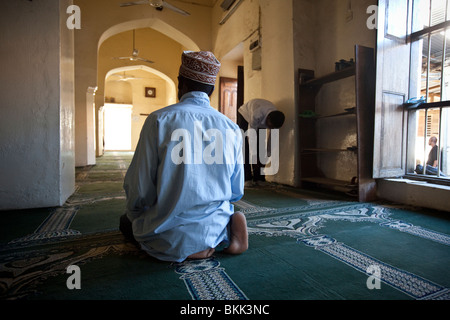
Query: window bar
{"type": "Point", "coordinates": [427, 88]}
{"type": "Point", "coordinates": [443, 96]}
{"type": "Point", "coordinates": [427, 92]}
{"type": "Point", "coordinates": [425, 142]}
{"type": "Point", "coordinates": [446, 10]}
{"type": "Point", "coordinates": [439, 142]}
{"type": "Point", "coordinates": [431, 11]}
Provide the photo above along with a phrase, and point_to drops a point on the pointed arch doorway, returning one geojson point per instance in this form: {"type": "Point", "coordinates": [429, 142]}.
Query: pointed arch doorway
{"type": "Point", "coordinates": [127, 105]}
{"type": "Point", "coordinates": [157, 41]}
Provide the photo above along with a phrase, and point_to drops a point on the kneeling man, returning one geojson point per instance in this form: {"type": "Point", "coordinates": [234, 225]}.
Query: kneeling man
{"type": "Point", "coordinates": [186, 172]}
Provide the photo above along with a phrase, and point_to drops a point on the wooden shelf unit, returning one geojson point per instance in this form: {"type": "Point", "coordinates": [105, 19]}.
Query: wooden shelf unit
{"type": "Point", "coordinates": [364, 72]}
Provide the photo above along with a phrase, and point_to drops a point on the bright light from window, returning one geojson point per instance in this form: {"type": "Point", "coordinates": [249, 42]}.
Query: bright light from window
{"type": "Point", "coordinates": [117, 124]}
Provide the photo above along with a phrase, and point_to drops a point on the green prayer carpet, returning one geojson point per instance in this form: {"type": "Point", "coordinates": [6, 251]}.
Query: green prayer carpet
{"type": "Point", "coordinates": [303, 245]}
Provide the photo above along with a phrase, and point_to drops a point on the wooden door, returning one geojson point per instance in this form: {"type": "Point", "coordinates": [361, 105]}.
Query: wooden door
{"type": "Point", "coordinates": [392, 87]}
{"type": "Point", "coordinates": [228, 97]}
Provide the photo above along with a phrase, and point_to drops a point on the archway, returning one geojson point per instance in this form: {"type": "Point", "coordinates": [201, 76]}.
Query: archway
{"type": "Point", "coordinates": [155, 40]}
{"type": "Point", "coordinates": [125, 97]}
{"type": "Point", "coordinates": [152, 23]}
{"type": "Point", "coordinates": [171, 93]}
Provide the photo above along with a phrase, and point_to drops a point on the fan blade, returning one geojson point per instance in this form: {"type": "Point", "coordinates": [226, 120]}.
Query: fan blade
{"type": "Point", "coordinates": [178, 10]}
{"type": "Point", "coordinates": [145, 60]}
{"type": "Point", "coordinates": [132, 58]}
{"type": "Point", "coordinates": [127, 4]}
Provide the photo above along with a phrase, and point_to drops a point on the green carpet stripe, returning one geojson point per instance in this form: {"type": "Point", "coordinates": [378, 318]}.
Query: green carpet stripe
{"type": "Point", "coordinates": [56, 225]}
{"type": "Point", "coordinates": [413, 285]}
{"type": "Point", "coordinates": [60, 219]}
{"type": "Point", "coordinates": [418, 231]}
{"type": "Point", "coordinates": [206, 281]}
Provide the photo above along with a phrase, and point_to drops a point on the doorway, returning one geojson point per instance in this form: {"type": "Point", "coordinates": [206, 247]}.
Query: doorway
{"type": "Point", "coordinates": [228, 97]}
{"type": "Point", "coordinates": [117, 127]}
{"type": "Point", "coordinates": [231, 86]}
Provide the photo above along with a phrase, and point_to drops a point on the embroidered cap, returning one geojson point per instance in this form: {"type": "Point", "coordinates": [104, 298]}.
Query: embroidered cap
{"type": "Point", "coordinates": [199, 66]}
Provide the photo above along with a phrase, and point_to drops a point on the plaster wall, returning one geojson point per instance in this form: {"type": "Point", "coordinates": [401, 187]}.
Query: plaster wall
{"type": "Point", "coordinates": [414, 193]}
{"type": "Point", "coordinates": [143, 106]}
{"type": "Point", "coordinates": [240, 26]}
{"type": "Point", "coordinates": [240, 29]}
{"type": "Point", "coordinates": [341, 24]}
{"type": "Point", "coordinates": [277, 78]}
{"type": "Point", "coordinates": [270, 22]}
{"type": "Point", "coordinates": [66, 106]}
{"type": "Point", "coordinates": [36, 126]}
{"type": "Point", "coordinates": [120, 91]}
{"type": "Point", "coordinates": [229, 65]}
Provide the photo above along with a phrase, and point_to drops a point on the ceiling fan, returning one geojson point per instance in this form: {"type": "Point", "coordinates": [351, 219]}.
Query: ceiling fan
{"type": "Point", "coordinates": [135, 55]}
{"type": "Point", "coordinates": [158, 4]}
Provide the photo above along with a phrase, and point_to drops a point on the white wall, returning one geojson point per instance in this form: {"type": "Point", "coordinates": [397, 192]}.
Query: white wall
{"type": "Point", "coordinates": [272, 21]}
{"type": "Point", "coordinates": [278, 78]}
{"type": "Point", "coordinates": [142, 106]}
{"type": "Point", "coordinates": [414, 193]}
{"type": "Point", "coordinates": [66, 106]}
{"type": "Point", "coordinates": [37, 120]}
{"type": "Point", "coordinates": [240, 29]}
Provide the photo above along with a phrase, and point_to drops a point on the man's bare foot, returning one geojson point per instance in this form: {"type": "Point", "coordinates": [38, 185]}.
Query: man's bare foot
{"type": "Point", "coordinates": [203, 254]}
{"type": "Point", "coordinates": [238, 234]}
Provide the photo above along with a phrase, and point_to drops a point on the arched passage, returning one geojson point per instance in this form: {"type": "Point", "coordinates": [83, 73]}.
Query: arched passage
{"type": "Point", "coordinates": [171, 92]}
{"type": "Point", "coordinates": [127, 106]}
{"type": "Point", "coordinates": [155, 40]}
{"type": "Point", "coordinates": [152, 23]}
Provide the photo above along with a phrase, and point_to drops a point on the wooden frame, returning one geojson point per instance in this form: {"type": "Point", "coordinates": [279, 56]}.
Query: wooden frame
{"type": "Point", "coordinates": [228, 88]}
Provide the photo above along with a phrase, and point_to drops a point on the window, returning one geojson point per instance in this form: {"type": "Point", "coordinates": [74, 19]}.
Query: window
{"type": "Point", "coordinates": [413, 60]}
{"type": "Point", "coordinates": [428, 124]}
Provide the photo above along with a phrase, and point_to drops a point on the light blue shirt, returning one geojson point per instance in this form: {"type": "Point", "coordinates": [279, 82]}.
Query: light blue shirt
{"type": "Point", "coordinates": [186, 172]}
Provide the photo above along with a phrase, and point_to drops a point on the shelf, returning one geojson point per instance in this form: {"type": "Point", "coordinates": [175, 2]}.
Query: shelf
{"type": "Point", "coordinates": [329, 116]}
{"type": "Point", "coordinates": [309, 115]}
{"type": "Point", "coordinates": [348, 112]}
{"type": "Point", "coordinates": [363, 76]}
{"type": "Point", "coordinates": [345, 73]}
{"type": "Point", "coordinates": [314, 150]}
{"type": "Point", "coordinates": [331, 182]}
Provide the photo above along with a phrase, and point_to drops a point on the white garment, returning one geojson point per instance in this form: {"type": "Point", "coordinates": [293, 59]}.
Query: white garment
{"type": "Point", "coordinates": [255, 112]}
